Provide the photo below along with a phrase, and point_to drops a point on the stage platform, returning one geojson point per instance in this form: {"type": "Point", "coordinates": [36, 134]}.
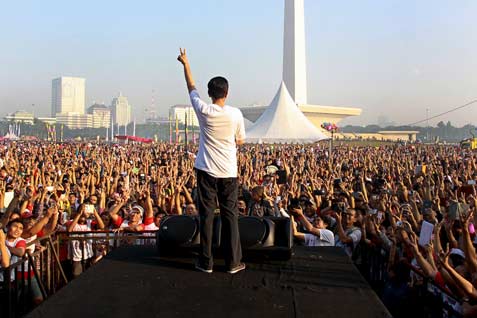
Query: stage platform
{"type": "Point", "coordinates": [134, 282]}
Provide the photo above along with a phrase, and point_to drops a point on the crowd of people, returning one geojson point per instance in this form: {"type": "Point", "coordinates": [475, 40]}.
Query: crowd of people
{"type": "Point", "coordinates": [415, 205]}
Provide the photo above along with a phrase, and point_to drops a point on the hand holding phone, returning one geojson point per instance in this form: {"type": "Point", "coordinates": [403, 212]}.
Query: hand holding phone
{"type": "Point", "coordinates": [88, 209]}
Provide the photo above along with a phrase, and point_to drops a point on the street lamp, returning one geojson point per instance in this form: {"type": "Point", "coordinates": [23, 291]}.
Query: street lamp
{"type": "Point", "coordinates": [427, 124]}
{"type": "Point", "coordinates": [332, 128]}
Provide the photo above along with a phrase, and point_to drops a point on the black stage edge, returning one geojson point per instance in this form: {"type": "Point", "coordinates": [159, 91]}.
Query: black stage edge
{"type": "Point", "coordinates": [134, 282]}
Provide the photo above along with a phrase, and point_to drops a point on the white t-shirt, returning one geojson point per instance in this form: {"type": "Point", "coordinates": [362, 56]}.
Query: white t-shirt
{"type": "Point", "coordinates": [355, 234]}
{"type": "Point", "coordinates": [219, 128]}
{"type": "Point", "coordinates": [327, 238]}
{"type": "Point", "coordinates": [76, 253]}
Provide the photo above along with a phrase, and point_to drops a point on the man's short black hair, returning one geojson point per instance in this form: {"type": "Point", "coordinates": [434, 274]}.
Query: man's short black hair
{"type": "Point", "coordinates": [14, 221]}
{"type": "Point", "coordinates": [218, 87]}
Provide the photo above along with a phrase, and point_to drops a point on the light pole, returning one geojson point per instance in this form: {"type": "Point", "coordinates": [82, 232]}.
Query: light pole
{"type": "Point", "coordinates": [427, 124]}
{"type": "Point", "coordinates": [332, 128]}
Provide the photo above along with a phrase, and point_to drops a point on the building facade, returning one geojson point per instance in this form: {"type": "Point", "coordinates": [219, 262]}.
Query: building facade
{"type": "Point", "coordinates": [180, 112]}
{"type": "Point", "coordinates": [21, 116]}
{"type": "Point", "coordinates": [121, 110]}
{"type": "Point", "coordinates": [101, 115]}
{"type": "Point", "coordinates": [68, 95]}
{"type": "Point", "coordinates": [74, 120]}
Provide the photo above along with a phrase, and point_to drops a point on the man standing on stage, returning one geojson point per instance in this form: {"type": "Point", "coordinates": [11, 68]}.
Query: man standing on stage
{"type": "Point", "coordinates": [221, 129]}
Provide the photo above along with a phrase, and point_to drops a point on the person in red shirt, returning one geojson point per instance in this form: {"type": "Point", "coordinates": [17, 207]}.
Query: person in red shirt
{"type": "Point", "coordinates": [17, 247]}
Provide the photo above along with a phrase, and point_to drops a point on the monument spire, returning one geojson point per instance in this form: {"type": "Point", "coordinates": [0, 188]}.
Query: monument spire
{"type": "Point", "coordinates": [294, 53]}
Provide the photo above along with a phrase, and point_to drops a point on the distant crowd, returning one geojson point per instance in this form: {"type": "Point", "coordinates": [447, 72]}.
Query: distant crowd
{"type": "Point", "coordinates": [413, 205]}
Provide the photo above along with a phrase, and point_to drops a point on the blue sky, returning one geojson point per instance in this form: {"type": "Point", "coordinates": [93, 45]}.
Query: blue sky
{"type": "Point", "coordinates": [391, 58]}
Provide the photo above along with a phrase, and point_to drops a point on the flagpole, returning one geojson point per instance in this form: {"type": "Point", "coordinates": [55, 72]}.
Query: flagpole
{"type": "Point", "coordinates": [185, 129]}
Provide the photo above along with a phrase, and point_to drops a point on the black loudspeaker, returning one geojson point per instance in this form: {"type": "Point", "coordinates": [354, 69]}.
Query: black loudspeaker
{"type": "Point", "coordinates": [178, 233]}
{"type": "Point", "coordinates": [283, 232]}
{"type": "Point", "coordinates": [269, 237]}
{"type": "Point", "coordinates": [179, 230]}
{"type": "Point", "coordinates": [256, 232]}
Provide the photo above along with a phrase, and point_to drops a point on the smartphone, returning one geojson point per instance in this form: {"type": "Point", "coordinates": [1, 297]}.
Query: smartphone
{"type": "Point", "coordinates": [89, 208]}
{"type": "Point", "coordinates": [282, 177]}
{"type": "Point", "coordinates": [471, 182]}
{"type": "Point", "coordinates": [380, 215]}
{"type": "Point", "coordinates": [50, 188]}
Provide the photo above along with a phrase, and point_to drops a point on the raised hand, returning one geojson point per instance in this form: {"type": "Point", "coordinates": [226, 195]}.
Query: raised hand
{"type": "Point", "coordinates": [182, 57]}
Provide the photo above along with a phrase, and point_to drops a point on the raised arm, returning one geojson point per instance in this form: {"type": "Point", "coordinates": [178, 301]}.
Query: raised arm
{"type": "Point", "coordinates": [187, 72]}
{"type": "Point", "coordinates": [4, 254]}
{"type": "Point", "coordinates": [76, 219]}
{"type": "Point", "coordinates": [298, 235]}
{"type": "Point", "coordinates": [303, 220]}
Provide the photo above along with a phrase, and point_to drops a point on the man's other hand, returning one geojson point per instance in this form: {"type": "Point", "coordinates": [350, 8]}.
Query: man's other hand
{"type": "Point", "coordinates": [182, 57]}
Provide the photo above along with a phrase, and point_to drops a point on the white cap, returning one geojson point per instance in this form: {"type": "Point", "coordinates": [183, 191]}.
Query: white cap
{"type": "Point", "coordinates": [456, 251]}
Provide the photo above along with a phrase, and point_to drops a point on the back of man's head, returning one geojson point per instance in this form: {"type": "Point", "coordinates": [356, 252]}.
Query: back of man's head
{"type": "Point", "coordinates": [218, 88]}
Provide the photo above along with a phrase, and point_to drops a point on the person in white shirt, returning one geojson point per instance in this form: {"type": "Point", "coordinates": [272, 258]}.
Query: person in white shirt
{"type": "Point", "coordinates": [318, 234]}
{"type": "Point", "coordinates": [348, 235]}
{"type": "Point", "coordinates": [221, 130]}
{"type": "Point", "coordinates": [81, 251]}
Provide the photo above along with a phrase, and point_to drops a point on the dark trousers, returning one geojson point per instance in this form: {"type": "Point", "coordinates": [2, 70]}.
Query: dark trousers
{"type": "Point", "coordinates": [209, 189]}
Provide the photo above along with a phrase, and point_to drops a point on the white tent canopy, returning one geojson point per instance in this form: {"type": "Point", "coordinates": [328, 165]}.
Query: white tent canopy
{"type": "Point", "coordinates": [283, 122]}
{"type": "Point", "coordinates": [247, 123]}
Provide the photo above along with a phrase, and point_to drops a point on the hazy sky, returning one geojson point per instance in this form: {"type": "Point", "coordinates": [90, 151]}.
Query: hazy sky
{"type": "Point", "coordinates": [392, 58]}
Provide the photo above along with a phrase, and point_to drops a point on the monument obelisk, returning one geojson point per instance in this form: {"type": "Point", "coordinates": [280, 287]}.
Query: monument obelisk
{"type": "Point", "coordinates": [294, 52]}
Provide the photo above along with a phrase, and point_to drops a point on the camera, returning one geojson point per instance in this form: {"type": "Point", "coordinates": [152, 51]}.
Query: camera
{"type": "Point", "coordinates": [318, 192]}
{"type": "Point", "coordinates": [337, 182]}
{"type": "Point", "coordinates": [294, 204]}
{"type": "Point", "coordinates": [338, 207]}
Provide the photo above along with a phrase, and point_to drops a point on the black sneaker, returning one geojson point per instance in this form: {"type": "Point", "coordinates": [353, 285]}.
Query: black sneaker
{"type": "Point", "coordinates": [203, 269]}
{"type": "Point", "coordinates": [236, 269]}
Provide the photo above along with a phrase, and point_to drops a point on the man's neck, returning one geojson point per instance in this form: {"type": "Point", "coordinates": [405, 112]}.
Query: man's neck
{"type": "Point", "coordinates": [219, 102]}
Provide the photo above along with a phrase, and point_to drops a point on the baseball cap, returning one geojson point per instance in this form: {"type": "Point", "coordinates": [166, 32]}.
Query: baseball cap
{"type": "Point", "coordinates": [138, 208]}
{"type": "Point", "coordinates": [457, 251]}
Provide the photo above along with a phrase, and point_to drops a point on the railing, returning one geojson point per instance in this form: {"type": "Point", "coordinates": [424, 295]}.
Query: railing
{"type": "Point", "coordinates": [48, 274]}
{"type": "Point", "coordinates": [436, 301]}
{"type": "Point", "coordinates": [41, 273]}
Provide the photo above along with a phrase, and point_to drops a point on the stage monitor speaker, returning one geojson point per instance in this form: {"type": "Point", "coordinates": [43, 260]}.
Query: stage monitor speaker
{"type": "Point", "coordinates": [256, 232]}
{"type": "Point", "coordinates": [179, 230]}
{"type": "Point", "coordinates": [283, 232]}
{"type": "Point", "coordinates": [266, 238]}
{"type": "Point", "coordinates": [182, 232]}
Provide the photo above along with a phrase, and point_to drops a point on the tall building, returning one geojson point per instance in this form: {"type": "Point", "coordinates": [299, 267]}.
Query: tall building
{"type": "Point", "coordinates": [121, 110]}
{"type": "Point", "coordinates": [180, 111]}
{"type": "Point", "coordinates": [68, 95]}
{"type": "Point", "coordinates": [101, 115]}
